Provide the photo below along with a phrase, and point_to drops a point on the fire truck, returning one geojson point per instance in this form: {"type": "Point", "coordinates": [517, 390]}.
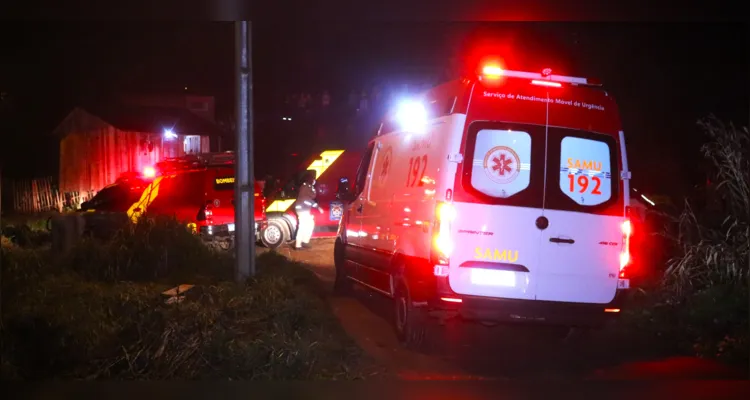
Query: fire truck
{"type": "Point", "coordinates": [196, 189]}
{"type": "Point", "coordinates": [333, 169]}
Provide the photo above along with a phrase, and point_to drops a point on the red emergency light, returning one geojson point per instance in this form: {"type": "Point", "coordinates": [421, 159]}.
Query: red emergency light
{"type": "Point", "coordinates": [149, 172]}
{"type": "Point", "coordinates": [492, 71]}
{"type": "Point", "coordinates": [545, 78]}
{"type": "Point", "coordinates": [546, 83]}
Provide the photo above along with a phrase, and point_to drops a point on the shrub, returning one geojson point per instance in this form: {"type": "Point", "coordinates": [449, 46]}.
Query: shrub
{"type": "Point", "coordinates": [714, 243]}
{"type": "Point", "coordinates": [154, 249]}
{"type": "Point", "coordinates": [703, 299]}
{"type": "Point", "coordinates": [24, 235]}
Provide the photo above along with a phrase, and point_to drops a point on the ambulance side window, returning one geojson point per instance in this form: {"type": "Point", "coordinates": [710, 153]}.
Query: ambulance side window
{"type": "Point", "coordinates": [364, 165]}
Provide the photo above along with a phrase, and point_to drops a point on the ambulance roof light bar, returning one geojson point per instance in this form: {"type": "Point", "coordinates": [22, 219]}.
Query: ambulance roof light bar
{"type": "Point", "coordinates": [491, 72]}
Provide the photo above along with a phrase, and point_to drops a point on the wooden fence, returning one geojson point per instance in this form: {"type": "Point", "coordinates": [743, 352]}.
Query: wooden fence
{"type": "Point", "coordinates": [42, 194]}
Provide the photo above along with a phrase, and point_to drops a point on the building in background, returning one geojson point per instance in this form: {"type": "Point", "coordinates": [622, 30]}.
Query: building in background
{"type": "Point", "coordinates": [99, 143]}
{"type": "Point", "coordinates": [202, 106]}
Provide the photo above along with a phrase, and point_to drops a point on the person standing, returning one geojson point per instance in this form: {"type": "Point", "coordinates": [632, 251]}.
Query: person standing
{"type": "Point", "coordinates": [304, 205]}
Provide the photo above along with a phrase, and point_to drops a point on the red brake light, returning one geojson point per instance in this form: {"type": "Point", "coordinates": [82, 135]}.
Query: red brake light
{"type": "Point", "coordinates": [627, 228]}
{"type": "Point", "coordinates": [546, 83]}
{"type": "Point", "coordinates": [625, 258]}
{"type": "Point", "coordinates": [442, 242]}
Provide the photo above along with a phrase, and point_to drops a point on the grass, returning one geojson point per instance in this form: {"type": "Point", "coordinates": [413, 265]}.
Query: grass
{"type": "Point", "coordinates": [25, 231]}
{"type": "Point", "coordinates": [701, 302]}
{"type": "Point", "coordinates": [98, 313]}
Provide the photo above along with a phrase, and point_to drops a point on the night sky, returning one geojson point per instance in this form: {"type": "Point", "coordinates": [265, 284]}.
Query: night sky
{"type": "Point", "coordinates": [664, 76]}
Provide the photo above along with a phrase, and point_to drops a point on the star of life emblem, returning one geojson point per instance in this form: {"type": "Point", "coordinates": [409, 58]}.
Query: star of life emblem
{"type": "Point", "coordinates": [502, 165]}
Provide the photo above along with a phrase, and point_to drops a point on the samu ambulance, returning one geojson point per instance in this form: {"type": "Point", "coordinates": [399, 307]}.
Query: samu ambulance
{"type": "Point", "coordinates": [498, 198]}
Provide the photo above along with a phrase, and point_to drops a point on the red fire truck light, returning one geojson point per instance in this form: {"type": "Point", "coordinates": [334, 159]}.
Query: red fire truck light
{"type": "Point", "coordinates": [149, 172]}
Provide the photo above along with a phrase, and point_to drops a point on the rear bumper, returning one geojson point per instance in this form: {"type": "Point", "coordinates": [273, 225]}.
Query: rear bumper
{"type": "Point", "coordinates": [499, 310]}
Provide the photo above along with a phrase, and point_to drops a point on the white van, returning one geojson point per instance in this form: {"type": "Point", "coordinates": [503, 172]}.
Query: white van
{"type": "Point", "coordinates": [499, 198]}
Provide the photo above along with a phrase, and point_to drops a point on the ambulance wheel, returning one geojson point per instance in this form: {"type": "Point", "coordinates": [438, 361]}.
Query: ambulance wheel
{"type": "Point", "coordinates": [273, 235]}
{"type": "Point", "coordinates": [411, 322]}
{"type": "Point", "coordinates": [342, 284]}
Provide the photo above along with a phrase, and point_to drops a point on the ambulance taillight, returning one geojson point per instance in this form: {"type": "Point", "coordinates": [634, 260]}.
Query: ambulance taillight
{"type": "Point", "coordinates": [442, 242]}
{"type": "Point", "coordinates": [625, 256]}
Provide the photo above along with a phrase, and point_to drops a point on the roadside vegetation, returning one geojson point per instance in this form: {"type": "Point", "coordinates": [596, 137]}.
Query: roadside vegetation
{"type": "Point", "coordinates": [98, 313]}
{"type": "Point", "coordinates": [700, 304]}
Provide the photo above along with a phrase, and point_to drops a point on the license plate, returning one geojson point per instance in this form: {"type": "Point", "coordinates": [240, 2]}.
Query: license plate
{"type": "Point", "coordinates": [493, 277]}
{"type": "Point", "coordinates": [230, 227]}
{"type": "Point", "coordinates": [623, 283]}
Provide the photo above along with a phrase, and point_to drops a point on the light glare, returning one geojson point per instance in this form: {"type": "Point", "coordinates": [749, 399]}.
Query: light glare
{"type": "Point", "coordinates": [169, 134]}
{"type": "Point", "coordinates": [412, 116]}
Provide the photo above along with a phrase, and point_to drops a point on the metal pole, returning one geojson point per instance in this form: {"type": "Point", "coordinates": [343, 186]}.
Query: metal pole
{"type": "Point", "coordinates": [244, 182]}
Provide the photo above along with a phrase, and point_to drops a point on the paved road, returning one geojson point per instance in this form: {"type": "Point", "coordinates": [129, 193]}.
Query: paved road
{"type": "Point", "coordinates": [473, 351]}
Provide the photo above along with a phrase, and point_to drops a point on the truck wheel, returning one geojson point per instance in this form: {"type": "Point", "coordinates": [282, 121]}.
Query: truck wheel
{"type": "Point", "coordinates": [411, 322]}
{"type": "Point", "coordinates": [225, 244]}
{"type": "Point", "coordinates": [342, 284]}
{"type": "Point", "coordinates": [272, 236]}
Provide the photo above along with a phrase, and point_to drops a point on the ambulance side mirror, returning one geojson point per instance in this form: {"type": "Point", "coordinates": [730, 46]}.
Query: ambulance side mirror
{"type": "Point", "coordinates": [344, 190]}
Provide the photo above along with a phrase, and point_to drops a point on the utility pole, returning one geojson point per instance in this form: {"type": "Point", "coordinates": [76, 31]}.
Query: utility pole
{"type": "Point", "coordinates": [245, 180]}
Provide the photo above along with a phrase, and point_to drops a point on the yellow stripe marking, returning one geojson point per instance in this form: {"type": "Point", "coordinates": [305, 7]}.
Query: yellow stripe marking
{"type": "Point", "coordinates": [280, 205]}
{"type": "Point", "coordinates": [149, 195]}
{"type": "Point", "coordinates": [327, 158]}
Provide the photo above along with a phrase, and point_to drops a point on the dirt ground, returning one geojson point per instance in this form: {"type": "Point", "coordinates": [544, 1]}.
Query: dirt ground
{"type": "Point", "coordinates": [473, 351]}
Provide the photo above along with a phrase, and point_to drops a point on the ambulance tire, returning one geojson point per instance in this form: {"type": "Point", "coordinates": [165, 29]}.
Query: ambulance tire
{"type": "Point", "coordinates": [341, 285]}
{"type": "Point", "coordinates": [274, 234]}
{"type": "Point", "coordinates": [412, 323]}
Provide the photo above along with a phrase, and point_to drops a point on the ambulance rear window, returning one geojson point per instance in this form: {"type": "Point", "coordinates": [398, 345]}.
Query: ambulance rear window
{"type": "Point", "coordinates": [504, 164]}
{"type": "Point", "coordinates": [585, 173]}
{"type": "Point", "coordinates": [584, 169]}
